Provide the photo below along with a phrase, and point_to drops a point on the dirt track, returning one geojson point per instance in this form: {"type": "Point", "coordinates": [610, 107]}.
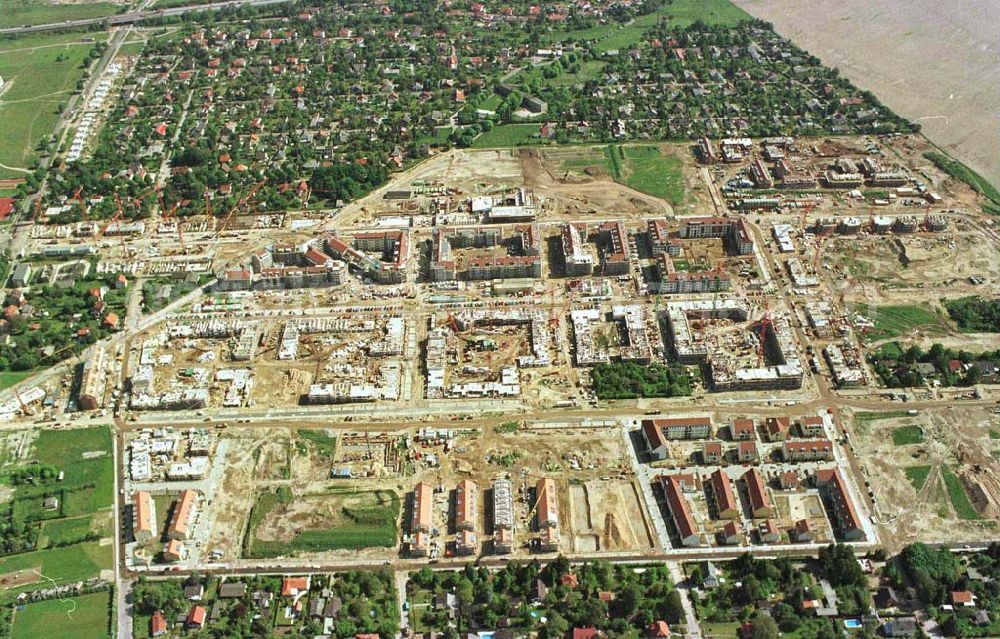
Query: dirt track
{"type": "Point", "coordinates": [923, 58]}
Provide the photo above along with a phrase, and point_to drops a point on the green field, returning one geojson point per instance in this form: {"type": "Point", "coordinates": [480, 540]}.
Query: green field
{"type": "Point", "coordinates": [868, 416]}
{"type": "Point", "coordinates": [908, 435]}
{"type": "Point", "coordinates": [680, 13]}
{"type": "Point", "coordinates": [94, 474]}
{"type": "Point", "coordinates": [16, 13]}
{"type": "Point", "coordinates": [61, 532]}
{"type": "Point", "coordinates": [165, 4]}
{"type": "Point", "coordinates": [40, 71]}
{"type": "Point", "coordinates": [918, 476]}
{"type": "Point", "coordinates": [321, 442]}
{"type": "Point", "coordinates": [508, 135]}
{"type": "Point", "coordinates": [64, 565]}
{"type": "Point", "coordinates": [956, 493]}
{"type": "Point", "coordinates": [589, 71]}
{"type": "Point", "coordinates": [84, 617]}
{"type": "Point", "coordinates": [648, 170]}
{"type": "Point", "coordinates": [893, 321]}
{"type": "Point", "coordinates": [9, 379]}
{"type": "Point", "coordinates": [367, 519]}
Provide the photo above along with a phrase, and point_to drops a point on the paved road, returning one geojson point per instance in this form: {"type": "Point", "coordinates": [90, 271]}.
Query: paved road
{"type": "Point", "coordinates": [135, 16]}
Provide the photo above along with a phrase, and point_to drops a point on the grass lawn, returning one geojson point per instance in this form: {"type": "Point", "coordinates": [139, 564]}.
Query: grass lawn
{"type": "Point", "coordinates": [893, 321]}
{"type": "Point", "coordinates": [918, 476]}
{"type": "Point", "coordinates": [84, 617]}
{"type": "Point", "coordinates": [323, 443]}
{"type": "Point", "coordinates": [9, 379]}
{"type": "Point", "coordinates": [720, 630]}
{"type": "Point", "coordinates": [76, 453]}
{"type": "Point", "coordinates": [589, 71]}
{"type": "Point", "coordinates": [866, 416]}
{"type": "Point", "coordinates": [64, 565]}
{"type": "Point", "coordinates": [15, 13]}
{"type": "Point", "coordinates": [956, 493]}
{"type": "Point", "coordinates": [680, 13]}
{"type": "Point", "coordinates": [508, 135]}
{"type": "Point", "coordinates": [367, 519]}
{"type": "Point", "coordinates": [648, 170]}
{"type": "Point", "coordinates": [60, 532]}
{"type": "Point", "coordinates": [39, 87]}
{"type": "Point", "coordinates": [908, 435]}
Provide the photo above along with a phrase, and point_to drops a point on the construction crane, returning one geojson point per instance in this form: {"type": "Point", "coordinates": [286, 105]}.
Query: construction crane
{"type": "Point", "coordinates": [24, 407]}
{"type": "Point", "coordinates": [117, 217]}
{"type": "Point", "coordinates": [208, 204]}
{"type": "Point", "coordinates": [239, 204]}
{"type": "Point", "coordinates": [538, 497]}
{"type": "Point", "coordinates": [78, 196]}
{"type": "Point", "coordinates": [554, 318]}
{"type": "Point", "coordinates": [765, 323]}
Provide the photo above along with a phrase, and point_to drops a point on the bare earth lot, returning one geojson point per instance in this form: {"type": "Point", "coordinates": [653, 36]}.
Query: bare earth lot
{"type": "Point", "coordinates": [922, 58]}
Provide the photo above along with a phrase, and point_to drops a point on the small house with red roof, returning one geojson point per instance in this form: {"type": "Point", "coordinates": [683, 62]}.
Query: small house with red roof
{"type": "Point", "coordinates": [195, 618]}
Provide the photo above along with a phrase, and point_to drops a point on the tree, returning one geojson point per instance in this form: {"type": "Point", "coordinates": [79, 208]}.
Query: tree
{"type": "Point", "coordinates": [763, 627]}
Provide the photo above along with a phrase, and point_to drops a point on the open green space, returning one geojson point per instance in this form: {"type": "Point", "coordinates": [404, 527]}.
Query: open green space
{"type": "Point", "coordinates": [48, 524]}
{"type": "Point", "coordinates": [166, 4]}
{"type": "Point", "coordinates": [507, 135]}
{"type": "Point", "coordinates": [956, 493]}
{"type": "Point", "coordinates": [40, 72]}
{"type": "Point", "coordinates": [62, 532]}
{"type": "Point", "coordinates": [17, 13]}
{"type": "Point", "coordinates": [918, 476]}
{"type": "Point", "coordinates": [893, 321]}
{"type": "Point", "coordinates": [8, 379]}
{"type": "Point", "coordinates": [365, 519]}
{"type": "Point", "coordinates": [679, 13]}
{"type": "Point", "coordinates": [872, 416]}
{"type": "Point", "coordinates": [320, 440]}
{"type": "Point", "coordinates": [908, 435]}
{"type": "Point", "coordinates": [63, 565]}
{"type": "Point", "coordinates": [649, 170]}
{"type": "Point", "coordinates": [84, 617]}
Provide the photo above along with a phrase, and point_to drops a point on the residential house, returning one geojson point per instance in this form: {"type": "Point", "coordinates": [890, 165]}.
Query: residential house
{"type": "Point", "coordinates": [731, 535]}
{"type": "Point", "coordinates": [711, 452]}
{"type": "Point", "coordinates": [725, 500]}
{"type": "Point", "coordinates": [746, 452]}
{"type": "Point", "coordinates": [741, 429]}
{"type": "Point", "coordinates": [776, 429]}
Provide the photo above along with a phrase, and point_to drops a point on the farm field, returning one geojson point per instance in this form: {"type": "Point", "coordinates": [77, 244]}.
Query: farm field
{"type": "Point", "coordinates": [84, 617]}
{"type": "Point", "coordinates": [40, 72]}
{"type": "Point", "coordinates": [18, 13]}
{"type": "Point", "coordinates": [863, 39]}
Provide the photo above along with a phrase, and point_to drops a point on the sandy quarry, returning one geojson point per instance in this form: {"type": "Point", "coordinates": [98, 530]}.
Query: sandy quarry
{"type": "Point", "coordinates": [938, 62]}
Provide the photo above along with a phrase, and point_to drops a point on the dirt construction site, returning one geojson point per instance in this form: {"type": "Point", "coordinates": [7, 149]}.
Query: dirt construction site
{"type": "Point", "coordinates": [934, 474]}
{"type": "Point", "coordinates": [599, 501]}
